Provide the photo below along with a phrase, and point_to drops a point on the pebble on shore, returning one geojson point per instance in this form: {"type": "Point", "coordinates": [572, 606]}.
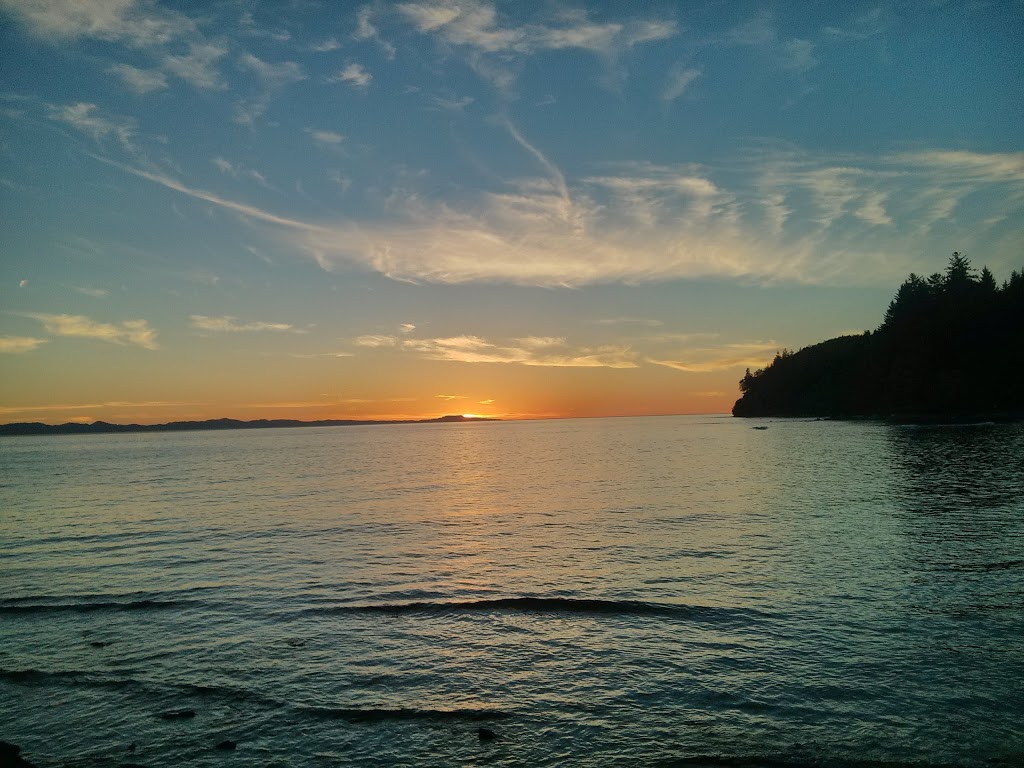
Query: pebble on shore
{"type": "Point", "coordinates": [10, 756]}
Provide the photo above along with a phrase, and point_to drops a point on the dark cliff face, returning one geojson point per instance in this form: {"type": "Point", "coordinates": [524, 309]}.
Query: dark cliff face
{"type": "Point", "coordinates": [947, 346]}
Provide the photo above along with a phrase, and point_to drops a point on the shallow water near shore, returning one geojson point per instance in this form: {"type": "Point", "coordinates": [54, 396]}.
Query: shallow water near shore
{"type": "Point", "coordinates": [643, 591]}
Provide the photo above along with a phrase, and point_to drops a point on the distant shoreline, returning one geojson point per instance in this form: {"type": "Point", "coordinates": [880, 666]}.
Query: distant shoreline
{"type": "Point", "coordinates": [107, 428]}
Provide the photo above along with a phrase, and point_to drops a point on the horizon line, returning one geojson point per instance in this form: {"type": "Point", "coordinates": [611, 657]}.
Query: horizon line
{"type": "Point", "coordinates": [228, 423]}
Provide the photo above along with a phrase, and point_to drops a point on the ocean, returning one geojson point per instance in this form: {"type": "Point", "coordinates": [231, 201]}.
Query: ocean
{"type": "Point", "coordinates": [600, 592]}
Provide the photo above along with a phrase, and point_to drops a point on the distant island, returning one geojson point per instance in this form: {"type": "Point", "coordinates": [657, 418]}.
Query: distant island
{"type": "Point", "coordinates": [948, 348]}
{"type": "Point", "coordinates": [103, 427]}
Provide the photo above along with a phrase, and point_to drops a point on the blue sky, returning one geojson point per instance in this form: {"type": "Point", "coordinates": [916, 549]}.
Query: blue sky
{"type": "Point", "coordinates": [522, 209]}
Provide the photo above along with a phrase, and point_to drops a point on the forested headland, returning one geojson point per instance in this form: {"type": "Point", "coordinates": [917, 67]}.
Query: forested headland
{"type": "Point", "coordinates": [950, 346]}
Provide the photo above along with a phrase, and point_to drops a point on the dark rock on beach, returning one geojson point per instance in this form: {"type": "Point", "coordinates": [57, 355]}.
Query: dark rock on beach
{"type": "Point", "coordinates": [10, 756]}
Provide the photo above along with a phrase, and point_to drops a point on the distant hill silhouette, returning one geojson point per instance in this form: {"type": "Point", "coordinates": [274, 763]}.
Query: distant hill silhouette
{"type": "Point", "coordinates": [948, 347]}
{"type": "Point", "coordinates": [103, 427]}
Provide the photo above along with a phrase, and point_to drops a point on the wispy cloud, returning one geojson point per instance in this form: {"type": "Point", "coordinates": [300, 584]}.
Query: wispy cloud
{"type": "Point", "coordinates": [968, 166]}
{"type": "Point", "coordinates": [471, 349]}
{"type": "Point", "coordinates": [796, 54]}
{"type": "Point", "coordinates": [724, 357]}
{"type": "Point", "coordinates": [90, 120]}
{"type": "Point", "coordinates": [645, 192]}
{"type": "Point", "coordinates": [136, 24]}
{"type": "Point", "coordinates": [253, 29]}
{"type": "Point", "coordinates": [91, 406]}
{"type": "Point", "coordinates": [96, 293]}
{"type": "Point", "coordinates": [557, 178]}
{"type": "Point", "coordinates": [173, 41]}
{"type": "Point", "coordinates": [540, 234]}
{"type": "Point", "coordinates": [912, 190]}
{"type": "Point", "coordinates": [330, 402]}
{"type": "Point", "coordinates": [872, 209]}
{"type": "Point", "coordinates": [493, 43]}
{"type": "Point", "coordinates": [272, 77]}
{"type": "Point", "coordinates": [529, 350]}
{"type": "Point", "coordinates": [641, 321]}
{"type": "Point", "coordinates": [18, 344]}
{"type": "Point", "coordinates": [199, 65]}
{"type": "Point", "coordinates": [793, 216]}
{"type": "Point", "coordinates": [623, 228]}
{"type": "Point", "coordinates": [679, 79]}
{"type": "Point", "coordinates": [450, 104]}
{"type": "Point", "coordinates": [451, 397]}
{"type": "Point", "coordinates": [865, 25]}
{"type": "Point", "coordinates": [239, 171]}
{"type": "Point", "coordinates": [230, 324]}
{"type": "Point", "coordinates": [200, 194]}
{"type": "Point", "coordinates": [315, 355]}
{"type": "Point", "coordinates": [477, 24]}
{"type": "Point", "coordinates": [326, 138]}
{"type": "Point", "coordinates": [325, 46]}
{"type": "Point", "coordinates": [140, 80]}
{"type": "Point", "coordinates": [541, 342]}
{"type": "Point", "coordinates": [365, 30]}
{"type": "Point", "coordinates": [374, 341]}
{"type": "Point", "coordinates": [355, 75]}
{"type": "Point", "coordinates": [137, 332]}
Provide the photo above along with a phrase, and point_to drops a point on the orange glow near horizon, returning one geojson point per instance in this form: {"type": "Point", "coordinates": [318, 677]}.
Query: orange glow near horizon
{"type": "Point", "coordinates": [382, 389]}
{"type": "Point", "coordinates": [118, 414]}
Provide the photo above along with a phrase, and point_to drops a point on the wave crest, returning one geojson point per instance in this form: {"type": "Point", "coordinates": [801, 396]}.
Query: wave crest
{"type": "Point", "coordinates": [551, 605]}
{"type": "Point", "coordinates": [87, 607]}
{"type": "Point", "coordinates": [375, 715]}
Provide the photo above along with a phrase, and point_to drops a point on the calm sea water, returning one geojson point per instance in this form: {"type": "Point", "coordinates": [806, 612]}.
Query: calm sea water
{"type": "Point", "coordinates": [655, 591]}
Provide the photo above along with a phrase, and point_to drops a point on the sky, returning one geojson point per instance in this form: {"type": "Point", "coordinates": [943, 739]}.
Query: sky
{"type": "Point", "coordinates": [515, 209]}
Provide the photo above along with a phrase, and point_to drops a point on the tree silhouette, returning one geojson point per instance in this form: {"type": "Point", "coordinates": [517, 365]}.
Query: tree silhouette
{"type": "Point", "coordinates": [987, 282]}
{"type": "Point", "coordinates": [958, 273]}
{"type": "Point", "coordinates": [938, 352]}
